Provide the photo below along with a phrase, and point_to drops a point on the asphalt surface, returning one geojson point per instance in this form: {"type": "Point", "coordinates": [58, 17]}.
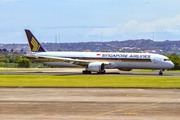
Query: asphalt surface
{"type": "Point", "coordinates": [89, 104]}
{"type": "Point", "coordinates": [78, 72]}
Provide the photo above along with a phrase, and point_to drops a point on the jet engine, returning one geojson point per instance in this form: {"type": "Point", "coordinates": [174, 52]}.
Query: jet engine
{"type": "Point", "coordinates": [124, 69]}
{"type": "Point", "coordinates": [96, 67]}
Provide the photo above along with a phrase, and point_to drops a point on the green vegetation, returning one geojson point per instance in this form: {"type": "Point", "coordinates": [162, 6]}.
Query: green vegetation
{"type": "Point", "coordinates": [139, 70]}
{"type": "Point", "coordinates": [174, 71]}
{"type": "Point", "coordinates": [105, 51]}
{"type": "Point", "coordinates": [176, 60]}
{"type": "Point", "coordinates": [16, 61]}
{"type": "Point", "coordinates": [87, 81]}
{"type": "Point", "coordinates": [23, 63]}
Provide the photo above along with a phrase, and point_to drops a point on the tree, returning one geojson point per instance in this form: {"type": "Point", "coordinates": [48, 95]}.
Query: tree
{"type": "Point", "coordinates": [176, 60]}
{"type": "Point", "coordinates": [16, 58]}
{"type": "Point", "coordinates": [122, 51]}
{"type": "Point", "coordinates": [4, 50]}
{"type": "Point", "coordinates": [10, 58]}
{"type": "Point", "coordinates": [2, 56]}
{"type": "Point", "coordinates": [12, 50]}
{"type": "Point", "coordinates": [23, 63]}
{"type": "Point", "coordinates": [105, 51]}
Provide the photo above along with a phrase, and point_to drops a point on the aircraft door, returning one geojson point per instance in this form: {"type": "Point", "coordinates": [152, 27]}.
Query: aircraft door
{"type": "Point", "coordinates": [155, 60]}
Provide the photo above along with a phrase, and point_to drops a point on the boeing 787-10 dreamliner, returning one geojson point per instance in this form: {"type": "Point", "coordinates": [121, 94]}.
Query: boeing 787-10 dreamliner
{"type": "Point", "coordinates": [97, 61]}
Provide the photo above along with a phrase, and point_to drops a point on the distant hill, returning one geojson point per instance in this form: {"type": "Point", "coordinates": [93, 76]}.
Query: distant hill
{"type": "Point", "coordinates": [167, 47]}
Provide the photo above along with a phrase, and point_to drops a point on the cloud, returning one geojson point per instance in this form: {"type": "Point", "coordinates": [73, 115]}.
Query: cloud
{"type": "Point", "coordinates": [8, 1]}
{"type": "Point", "coordinates": [146, 3]}
{"type": "Point", "coordinates": [64, 27]}
{"type": "Point", "coordinates": [3, 2]}
{"type": "Point", "coordinates": [168, 24]}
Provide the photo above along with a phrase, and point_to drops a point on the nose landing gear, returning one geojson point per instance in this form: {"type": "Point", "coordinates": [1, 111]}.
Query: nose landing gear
{"type": "Point", "coordinates": [160, 72]}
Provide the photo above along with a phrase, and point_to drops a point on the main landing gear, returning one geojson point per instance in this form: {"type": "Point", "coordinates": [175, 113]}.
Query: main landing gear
{"type": "Point", "coordinates": [89, 72]}
{"type": "Point", "coordinates": [86, 72]}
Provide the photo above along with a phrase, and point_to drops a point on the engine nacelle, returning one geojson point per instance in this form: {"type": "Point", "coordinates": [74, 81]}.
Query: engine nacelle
{"type": "Point", "coordinates": [96, 67]}
{"type": "Point", "coordinates": [124, 69]}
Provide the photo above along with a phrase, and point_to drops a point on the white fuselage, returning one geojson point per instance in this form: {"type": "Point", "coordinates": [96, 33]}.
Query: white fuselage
{"type": "Point", "coordinates": [115, 60]}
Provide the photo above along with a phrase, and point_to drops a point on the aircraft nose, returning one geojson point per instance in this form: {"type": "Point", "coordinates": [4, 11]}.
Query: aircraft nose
{"type": "Point", "coordinates": [171, 64]}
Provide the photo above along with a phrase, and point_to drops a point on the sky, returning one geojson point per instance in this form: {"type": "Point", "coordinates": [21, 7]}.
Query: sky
{"type": "Point", "coordinates": [65, 21]}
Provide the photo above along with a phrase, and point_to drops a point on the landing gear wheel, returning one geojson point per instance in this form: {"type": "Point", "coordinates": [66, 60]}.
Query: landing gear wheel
{"type": "Point", "coordinates": [160, 73]}
{"type": "Point", "coordinates": [86, 72]}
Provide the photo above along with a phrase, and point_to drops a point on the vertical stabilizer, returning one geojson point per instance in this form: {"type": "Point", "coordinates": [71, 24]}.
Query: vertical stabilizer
{"type": "Point", "coordinates": [34, 45]}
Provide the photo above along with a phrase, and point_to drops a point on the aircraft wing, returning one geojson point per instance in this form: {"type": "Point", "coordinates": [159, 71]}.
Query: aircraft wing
{"type": "Point", "coordinates": [69, 60]}
{"type": "Point", "coordinates": [60, 59]}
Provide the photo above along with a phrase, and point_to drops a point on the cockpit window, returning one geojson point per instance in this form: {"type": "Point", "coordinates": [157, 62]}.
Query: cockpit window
{"type": "Point", "coordinates": [166, 59]}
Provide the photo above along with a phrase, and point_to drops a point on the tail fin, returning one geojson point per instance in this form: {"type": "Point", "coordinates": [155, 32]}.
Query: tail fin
{"type": "Point", "coordinates": [34, 45]}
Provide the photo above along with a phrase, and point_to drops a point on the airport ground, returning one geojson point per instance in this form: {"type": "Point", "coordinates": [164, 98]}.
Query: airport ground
{"type": "Point", "coordinates": [89, 103]}
{"type": "Point", "coordinates": [78, 72]}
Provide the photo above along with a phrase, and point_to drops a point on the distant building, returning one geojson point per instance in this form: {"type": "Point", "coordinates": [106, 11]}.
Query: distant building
{"type": "Point", "coordinates": [88, 50]}
{"type": "Point", "coordinates": [153, 51]}
{"type": "Point", "coordinates": [126, 48]}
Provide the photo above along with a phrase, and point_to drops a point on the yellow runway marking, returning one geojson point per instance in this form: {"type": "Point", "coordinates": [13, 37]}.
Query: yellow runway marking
{"type": "Point", "coordinates": [121, 110]}
{"type": "Point", "coordinates": [129, 113]}
{"type": "Point", "coordinates": [129, 95]}
{"type": "Point", "coordinates": [138, 112]}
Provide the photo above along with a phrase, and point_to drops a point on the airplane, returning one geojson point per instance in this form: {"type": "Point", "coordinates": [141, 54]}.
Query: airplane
{"type": "Point", "coordinates": [96, 61]}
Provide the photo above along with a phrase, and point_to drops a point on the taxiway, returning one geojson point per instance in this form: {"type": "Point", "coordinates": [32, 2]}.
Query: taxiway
{"type": "Point", "coordinates": [89, 104]}
{"type": "Point", "coordinates": [78, 72]}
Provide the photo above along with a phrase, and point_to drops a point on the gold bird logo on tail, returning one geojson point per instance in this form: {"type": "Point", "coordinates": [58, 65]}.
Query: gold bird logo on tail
{"type": "Point", "coordinates": [35, 44]}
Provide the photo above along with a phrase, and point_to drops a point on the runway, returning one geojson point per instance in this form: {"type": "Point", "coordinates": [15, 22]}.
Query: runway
{"type": "Point", "coordinates": [78, 72]}
{"type": "Point", "coordinates": [89, 104]}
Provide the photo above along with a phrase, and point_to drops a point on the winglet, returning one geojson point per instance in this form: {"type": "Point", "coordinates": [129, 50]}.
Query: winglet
{"type": "Point", "coordinates": [34, 45]}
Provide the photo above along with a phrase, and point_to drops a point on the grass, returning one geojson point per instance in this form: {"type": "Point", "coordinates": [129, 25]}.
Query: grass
{"type": "Point", "coordinates": [18, 70]}
{"type": "Point", "coordinates": [176, 71]}
{"type": "Point", "coordinates": [139, 70]}
{"type": "Point", "coordinates": [87, 81]}
{"type": "Point", "coordinates": [169, 71]}
{"type": "Point", "coordinates": [23, 69]}
{"type": "Point", "coordinates": [52, 69]}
